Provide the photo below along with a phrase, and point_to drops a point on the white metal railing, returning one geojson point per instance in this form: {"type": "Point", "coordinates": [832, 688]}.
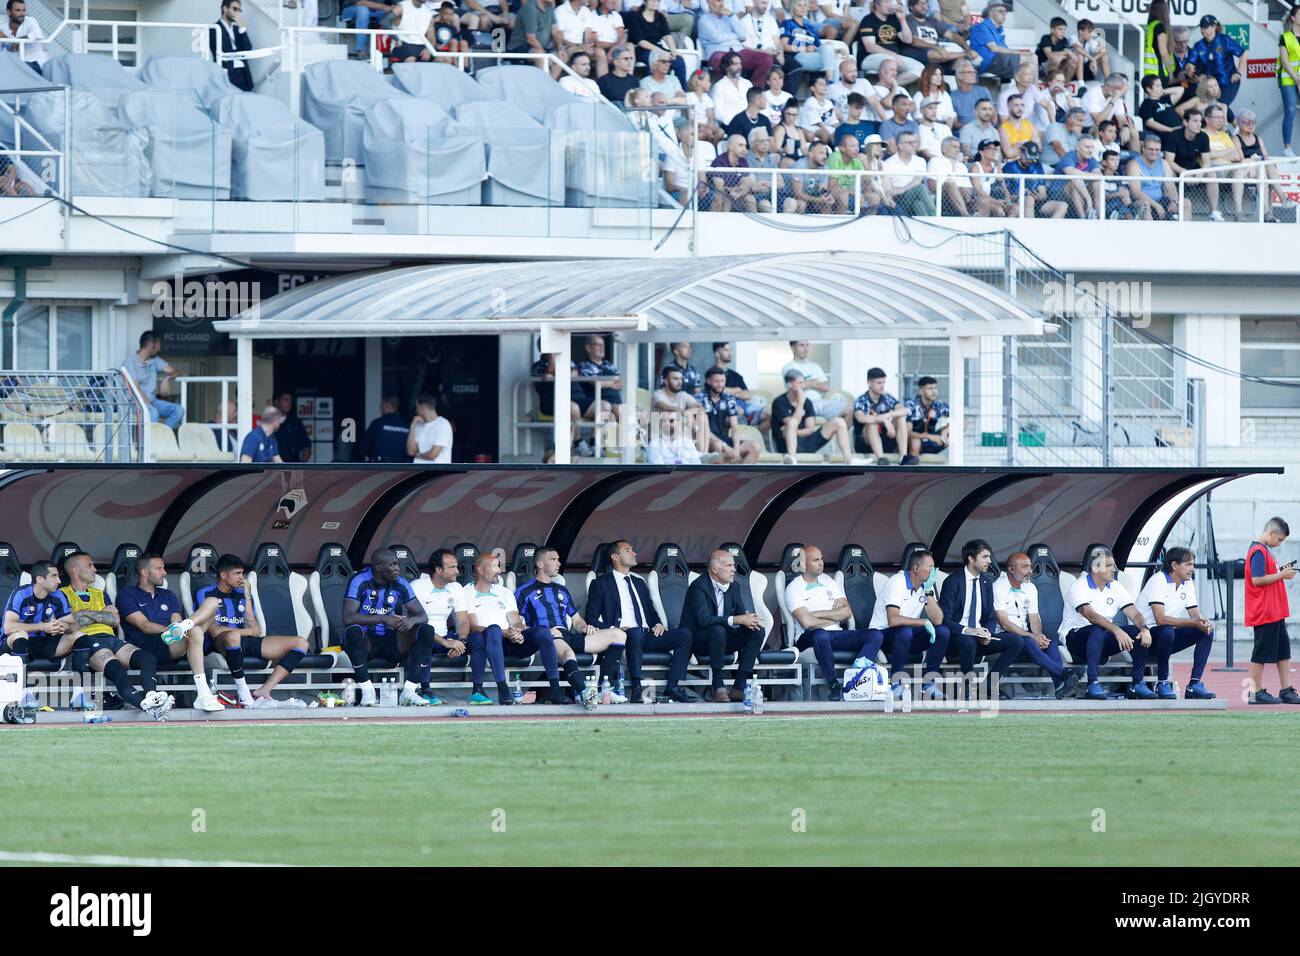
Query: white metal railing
{"type": "Point", "coordinates": [52, 165]}
{"type": "Point", "coordinates": [521, 408]}
{"type": "Point", "coordinates": [78, 28]}
{"type": "Point", "coordinates": [227, 431]}
{"type": "Point", "coordinates": [74, 416]}
{"type": "Point", "coordinates": [773, 186]}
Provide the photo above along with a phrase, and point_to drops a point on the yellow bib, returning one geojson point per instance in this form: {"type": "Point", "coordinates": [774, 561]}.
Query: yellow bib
{"type": "Point", "coordinates": [96, 603]}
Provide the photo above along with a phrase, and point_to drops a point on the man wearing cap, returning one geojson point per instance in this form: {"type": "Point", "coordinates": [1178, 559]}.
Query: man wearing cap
{"type": "Point", "coordinates": [979, 130]}
{"type": "Point", "coordinates": [259, 445]}
{"type": "Point", "coordinates": [1038, 199]}
{"type": "Point", "coordinates": [932, 133]}
{"type": "Point", "coordinates": [988, 39]}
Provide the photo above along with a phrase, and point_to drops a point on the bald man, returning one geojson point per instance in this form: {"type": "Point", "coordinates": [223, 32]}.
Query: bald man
{"type": "Point", "coordinates": [1015, 601]}
{"type": "Point", "coordinates": [488, 617]}
{"type": "Point", "coordinates": [817, 603]}
{"type": "Point", "coordinates": [719, 616]}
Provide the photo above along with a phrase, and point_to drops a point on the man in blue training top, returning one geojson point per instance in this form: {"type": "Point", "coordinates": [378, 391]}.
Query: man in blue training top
{"type": "Point", "coordinates": [556, 630]}
{"type": "Point", "coordinates": [260, 445]}
{"type": "Point", "coordinates": [382, 618]}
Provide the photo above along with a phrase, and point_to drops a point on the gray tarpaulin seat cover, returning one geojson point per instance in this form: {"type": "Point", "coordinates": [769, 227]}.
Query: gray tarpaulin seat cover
{"type": "Point", "coordinates": [101, 75]}
{"type": "Point", "coordinates": [412, 155]}
{"type": "Point", "coordinates": [605, 155]}
{"type": "Point", "coordinates": [205, 78]}
{"type": "Point", "coordinates": [525, 165]}
{"type": "Point", "coordinates": [442, 83]}
{"type": "Point", "coordinates": [275, 156]}
{"type": "Point", "coordinates": [527, 87]}
{"type": "Point", "coordinates": [336, 96]}
{"type": "Point", "coordinates": [188, 152]}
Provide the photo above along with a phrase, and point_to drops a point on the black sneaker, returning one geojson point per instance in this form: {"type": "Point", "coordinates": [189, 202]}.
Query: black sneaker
{"type": "Point", "coordinates": [910, 460]}
{"type": "Point", "coordinates": [1289, 696]}
{"type": "Point", "coordinates": [560, 697]}
{"type": "Point", "coordinates": [1069, 678]}
{"type": "Point", "coordinates": [837, 691]}
{"type": "Point", "coordinates": [1263, 697]}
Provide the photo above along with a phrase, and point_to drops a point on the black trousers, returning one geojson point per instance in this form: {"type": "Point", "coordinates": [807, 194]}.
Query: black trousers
{"type": "Point", "coordinates": [967, 649]}
{"type": "Point", "coordinates": [718, 641]}
{"type": "Point", "coordinates": [676, 642]}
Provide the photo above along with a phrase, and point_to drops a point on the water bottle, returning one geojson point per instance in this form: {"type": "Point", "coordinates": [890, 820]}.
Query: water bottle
{"type": "Point", "coordinates": [889, 699]}
{"type": "Point", "coordinates": [212, 683]}
{"type": "Point", "coordinates": [591, 682]}
{"type": "Point", "coordinates": [349, 694]}
{"type": "Point", "coordinates": [619, 688]}
{"type": "Point", "coordinates": [518, 689]}
{"type": "Point", "coordinates": [97, 719]}
{"type": "Point", "coordinates": [748, 705]}
{"type": "Point", "coordinates": [907, 697]}
{"type": "Point", "coordinates": [389, 696]}
{"type": "Point", "coordinates": [460, 712]}
{"type": "Point", "coordinates": [605, 692]}
{"type": "Point", "coordinates": [758, 699]}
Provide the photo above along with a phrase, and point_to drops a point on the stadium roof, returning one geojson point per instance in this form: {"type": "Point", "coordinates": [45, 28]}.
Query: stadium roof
{"type": "Point", "coordinates": [824, 295]}
{"type": "Point", "coordinates": [169, 508]}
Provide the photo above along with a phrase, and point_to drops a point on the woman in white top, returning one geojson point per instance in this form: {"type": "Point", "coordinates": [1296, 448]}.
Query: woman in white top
{"type": "Point", "coordinates": [873, 159]}
{"type": "Point", "coordinates": [932, 87]}
{"type": "Point", "coordinates": [775, 96]}
{"type": "Point", "coordinates": [957, 189]}
{"type": "Point", "coordinates": [610, 32]}
{"type": "Point", "coordinates": [989, 198]}
{"type": "Point", "coordinates": [818, 114]}
{"type": "Point", "coordinates": [697, 96]}
{"type": "Point", "coordinates": [1090, 633]}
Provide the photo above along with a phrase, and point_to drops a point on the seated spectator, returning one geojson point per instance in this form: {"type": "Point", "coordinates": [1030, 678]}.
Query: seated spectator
{"type": "Point", "coordinates": [729, 93]}
{"type": "Point", "coordinates": [881, 37]}
{"type": "Point", "coordinates": [762, 31]}
{"type": "Point", "coordinates": [1190, 150]}
{"type": "Point", "coordinates": [1119, 199]}
{"type": "Point", "coordinates": [818, 114]}
{"type": "Point", "coordinates": [720, 33]}
{"type": "Point", "coordinates": [732, 192]}
{"type": "Point", "coordinates": [448, 36]}
{"type": "Point", "coordinates": [928, 35]}
{"type": "Point", "coordinates": [933, 87]}
{"type": "Point", "coordinates": [801, 42]}
{"type": "Point", "coordinates": [1055, 52]}
{"type": "Point", "coordinates": [966, 97]}
{"type": "Point", "coordinates": [1254, 152]}
{"type": "Point", "coordinates": [229, 415]}
{"type": "Point", "coordinates": [875, 199]}
{"type": "Point", "coordinates": [956, 15]}
{"type": "Point", "coordinates": [1152, 198]}
{"type": "Point", "coordinates": [845, 190]}
{"type": "Point", "coordinates": [966, 599]}
{"type": "Point", "coordinates": [909, 620]}
{"type": "Point", "coordinates": [1208, 94]}
{"type": "Point", "coordinates": [619, 81]}
{"type": "Point", "coordinates": [692, 381]}
{"type": "Point", "coordinates": [698, 98]}
{"type": "Point", "coordinates": [947, 168]}
{"type": "Point", "coordinates": [883, 421]}
{"type": "Point", "coordinates": [1169, 605]}
{"type": "Point", "coordinates": [794, 423]}
{"type": "Point", "coordinates": [660, 80]}
{"type": "Point", "coordinates": [900, 121]}
{"type": "Point", "coordinates": [534, 30]}
{"type": "Point", "coordinates": [1081, 166]}
{"type": "Point", "coordinates": [1062, 99]}
{"type": "Point", "coordinates": [582, 84]}
{"type": "Point", "coordinates": [672, 396]}
{"type": "Point", "coordinates": [609, 32]}
{"type": "Point", "coordinates": [1015, 129]}
{"type": "Point", "coordinates": [854, 125]}
{"type": "Point", "coordinates": [489, 18]}
{"type": "Point", "coordinates": [1038, 197]}
{"type": "Point", "coordinates": [259, 445]}
{"type": "Point", "coordinates": [885, 89]}
{"type": "Point", "coordinates": [1089, 48]}
{"type": "Point", "coordinates": [773, 192]}
{"type": "Point", "coordinates": [816, 382]}
{"type": "Point", "coordinates": [992, 197]}
{"type": "Point", "coordinates": [751, 117]}
{"type": "Point", "coordinates": [1223, 152]}
{"type": "Point", "coordinates": [979, 130]}
{"type": "Point", "coordinates": [595, 364]}
{"type": "Point", "coordinates": [11, 183]}
{"type": "Point", "coordinates": [1108, 135]}
{"type": "Point", "coordinates": [1089, 631]}
{"type": "Point", "coordinates": [789, 139]}
{"type": "Point", "coordinates": [1158, 112]}
{"type": "Point", "coordinates": [650, 32]}
{"type": "Point", "coordinates": [988, 39]}
{"type": "Point", "coordinates": [814, 191]}
{"type": "Point", "coordinates": [775, 97]}
{"type": "Point", "coordinates": [753, 407]}
{"type": "Point", "coordinates": [679, 177]}
{"type": "Point", "coordinates": [670, 442]}
{"type": "Point", "coordinates": [1062, 137]}
{"type": "Point", "coordinates": [153, 375]}
{"type": "Point", "coordinates": [719, 614]}
{"type": "Point", "coordinates": [931, 133]}
{"type": "Point", "coordinates": [927, 419]}
{"type": "Point", "coordinates": [1109, 101]}
{"type": "Point", "coordinates": [837, 19]}
{"type": "Point", "coordinates": [820, 610]}
{"type": "Point", "coordinates": [908, 187]}
{"type": "Point", "coordinates": [848, 83]}
{"type": "Point", "coordinates": [723, 414]}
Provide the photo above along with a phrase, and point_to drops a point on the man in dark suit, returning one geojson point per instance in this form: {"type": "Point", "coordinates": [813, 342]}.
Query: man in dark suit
{"type": "Point", "coordinates": [718, 615]}
{"type": "Point", "coordinates": [621, 599]}
{"type": "Point", "coordinates": [233, 39]}
{"type": "Point", "coordinates": [966, 600]}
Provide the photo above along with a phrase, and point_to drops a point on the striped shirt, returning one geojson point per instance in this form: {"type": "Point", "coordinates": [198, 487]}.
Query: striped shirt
{"type": "Point", "coordinates": [379, 599]}
{"type": "Point", "coordinates": [33, 610]}
{"type": "Point", "coordinates": [545, 605]}
{"type": "Point", "coordinates": [231, 613]}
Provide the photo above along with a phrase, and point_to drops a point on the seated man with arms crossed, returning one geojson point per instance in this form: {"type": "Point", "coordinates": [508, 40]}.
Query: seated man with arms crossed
{"type": "Point", "coordinates": [557, 631]}
{"type": "Point", "coordinates": [1090, 633]}
{"type": "Point", "coordinates": [1168, 601]}
{"type": "Point", "coordinates": [91, 638]}
{"type": "Point", "coordinates": [909, 620]}
{"type": "Point", "coordinates": [1015, 601]}
{"type": "Point", "coordinates": [818, 605]}
{"type": "Point", "coordinates": [226, 616]}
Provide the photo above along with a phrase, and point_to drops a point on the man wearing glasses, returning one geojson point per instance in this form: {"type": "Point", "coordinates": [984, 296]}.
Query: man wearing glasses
{"type": "Point", "coordinates": [616, 84]}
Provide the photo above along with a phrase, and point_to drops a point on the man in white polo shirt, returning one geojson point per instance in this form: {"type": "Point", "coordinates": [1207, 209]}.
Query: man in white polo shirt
{"type": "Point", "coordinates": [1168, 601]}
{"type": "Point", "coordinates": [1015, 602]}
{"type": "Point", "coordinates": [429, 440]}
{"type": "Point", "coordinates": [910, 621]}
{"type": "Point", "coordinates": [439, 594]}
{"type": "Point", "coordinates": [487, 614]}
{"type": "Point", "coordinates": [1089, 631]}
{"type": "Point", "coordinates": [817, 603]}
{"type": "Point", "coordinates": [816, 382]}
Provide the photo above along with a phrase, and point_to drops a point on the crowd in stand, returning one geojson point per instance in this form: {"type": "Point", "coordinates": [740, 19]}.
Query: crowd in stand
{"type": "Point", "coordinates": [715, 416]}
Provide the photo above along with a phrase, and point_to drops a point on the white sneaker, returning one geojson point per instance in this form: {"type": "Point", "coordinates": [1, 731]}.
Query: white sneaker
{"type": "Point", "coordinates": [789, 460]}
{"type": "Point", "coordinates": [368, 699]}
{"type": "Point", "coordinates": [158, 710]}
{"type": "Point", "coordinates": [209, 703]}
{"type": "Point", "coordinates": [262, 703]}
{"type": "Point", "coordinates": [1216, 216]}
{"type": "Point", "coordinates": [411, 698]}
{"type": "Point", "coordinates": [176, 632]}
{"type": "Point", "coordinates": [292, 703]}
{"type": "Point", "coordinates": [152, 699]}
{"type": "Point", "coordinates": [616, 698]}
{"type": "Point", "coordinates": [1289, 153]}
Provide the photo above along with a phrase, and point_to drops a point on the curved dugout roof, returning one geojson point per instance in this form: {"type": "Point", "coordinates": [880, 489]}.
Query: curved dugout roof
{"type": "Point", "coordinates": [832, 295]}
{"type": "Point", "coordinates": [235, 508]}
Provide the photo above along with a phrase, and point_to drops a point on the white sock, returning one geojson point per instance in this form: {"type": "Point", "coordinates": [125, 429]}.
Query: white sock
{"type": "Point", "coordinates": [245, 695]}
{"type": "Point", "coordinates": [201, 682]}
{"type": "Point", "coordinates": [367, 687]}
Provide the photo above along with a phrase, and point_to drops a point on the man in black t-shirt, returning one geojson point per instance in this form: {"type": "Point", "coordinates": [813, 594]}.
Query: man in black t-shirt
{"type": "Point", "coordinates": [1189, 149]}
{"type": "Point", "coordinates": [1157, 112]}
{"type": "Point", "coordinates": [927, 36]}
{"type": "Point", "coordinates": [794, 424]}
{"type": "Point", "coordinates": [753, 408]}
{"type": "Point", "coordinates": [615, 84]}
{"type": "Point", "coordinates": [882, 35]}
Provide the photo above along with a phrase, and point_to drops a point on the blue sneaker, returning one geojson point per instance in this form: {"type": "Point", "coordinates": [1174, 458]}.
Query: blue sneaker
{"type": "Point", "coordinates": [478, 699]}
{"type": "Point", "coordinates": [1095, 691]}
{"type": "Point", "coordinates": [430, 698]}
{"type": "Point", "coordinates": [931, 692]}
{"type": "Point", "coordinates": [1140, 691]}
{"type": "Point", "coordinates": [1198, 691]}
{"type": "Point", "coordinates": [1165, 691]}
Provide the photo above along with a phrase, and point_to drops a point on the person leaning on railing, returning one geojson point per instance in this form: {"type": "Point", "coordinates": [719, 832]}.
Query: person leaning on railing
{"type": "Point", "coordinates": [1152, 197]}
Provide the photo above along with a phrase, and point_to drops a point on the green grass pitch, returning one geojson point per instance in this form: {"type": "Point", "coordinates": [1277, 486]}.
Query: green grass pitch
{"type": "Point", "coordinates": [1193, 789]}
